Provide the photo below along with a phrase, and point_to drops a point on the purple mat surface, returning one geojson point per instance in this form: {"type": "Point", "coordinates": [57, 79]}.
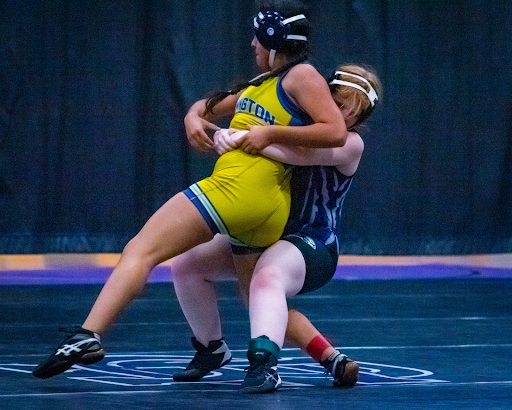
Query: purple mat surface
{"type": "Point", "coordinates": [434, 271]}
{"type": "Point", "coordinates": [70, 276]}
{"type": "Point", "coordinates": [98, 275]}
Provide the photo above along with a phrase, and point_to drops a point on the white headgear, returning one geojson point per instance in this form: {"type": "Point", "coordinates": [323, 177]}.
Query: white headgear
{"type": "Point", "coordinates": [371, 94]}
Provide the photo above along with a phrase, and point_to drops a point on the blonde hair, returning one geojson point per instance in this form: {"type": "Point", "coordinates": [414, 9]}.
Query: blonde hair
{"type": "Point", "coordinates": [356, 102]}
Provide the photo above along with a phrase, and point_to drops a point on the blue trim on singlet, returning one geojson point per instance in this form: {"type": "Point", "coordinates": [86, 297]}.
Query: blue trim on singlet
{"type": "Point", "coordinates": [214, 220]}
{"type": "Point", "coordinates": [202, 209]}
{"type": "Point", "coordinates": [298, 115]}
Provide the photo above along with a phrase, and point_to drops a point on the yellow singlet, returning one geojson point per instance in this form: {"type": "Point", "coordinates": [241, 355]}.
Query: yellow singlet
{"type": "Point", "coordinates": [248, 196]}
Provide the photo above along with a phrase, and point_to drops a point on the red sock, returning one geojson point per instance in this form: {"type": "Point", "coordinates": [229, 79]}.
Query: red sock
{"type": "Point", "coordinates": [317, 346]}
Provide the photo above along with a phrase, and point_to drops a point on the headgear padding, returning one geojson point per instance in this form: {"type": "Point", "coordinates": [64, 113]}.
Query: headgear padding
{"type": "Point", "coordinates": [272, 30]}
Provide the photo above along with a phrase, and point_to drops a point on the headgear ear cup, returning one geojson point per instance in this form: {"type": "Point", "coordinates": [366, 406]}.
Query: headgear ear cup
{"type": "Point", "coordinates": [269, 29]}
{"type": "Point", "coordinates": [272, 29]}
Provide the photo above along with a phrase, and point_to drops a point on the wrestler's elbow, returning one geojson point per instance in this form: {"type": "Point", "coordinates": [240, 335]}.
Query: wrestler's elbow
{"type": "Point", "coordinates": [343, 139]}
{"type": "Point", "coordinates": [338, 136]}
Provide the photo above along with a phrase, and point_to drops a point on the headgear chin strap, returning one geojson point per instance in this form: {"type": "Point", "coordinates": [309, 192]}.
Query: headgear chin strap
{"type": "Point", "coordinates": [371, 94]}
{"type": "Point", "coordinates": [272, 31]}
{"type": "Point", "coordinates": [271, 57]}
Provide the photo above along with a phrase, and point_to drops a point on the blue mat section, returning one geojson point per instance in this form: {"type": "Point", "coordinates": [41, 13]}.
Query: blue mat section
{"type": "Point", "coordinates": [421, 344]}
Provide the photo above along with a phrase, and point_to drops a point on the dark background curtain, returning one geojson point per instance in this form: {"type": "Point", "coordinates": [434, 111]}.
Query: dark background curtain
{"type": "Point", "coordinates": [93, 95]}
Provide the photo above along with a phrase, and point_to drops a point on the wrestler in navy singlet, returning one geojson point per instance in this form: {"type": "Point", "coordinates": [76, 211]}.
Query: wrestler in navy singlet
{"type": "Point", "coordinates": [317, 200]}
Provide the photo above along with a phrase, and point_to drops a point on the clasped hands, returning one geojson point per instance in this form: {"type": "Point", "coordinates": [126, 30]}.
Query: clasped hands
{"type": "Point", "coordinates": [250, 141]}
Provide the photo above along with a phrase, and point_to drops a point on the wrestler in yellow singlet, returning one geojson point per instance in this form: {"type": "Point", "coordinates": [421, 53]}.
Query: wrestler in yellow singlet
{"type": "Point", "coordinates": [248, 196]}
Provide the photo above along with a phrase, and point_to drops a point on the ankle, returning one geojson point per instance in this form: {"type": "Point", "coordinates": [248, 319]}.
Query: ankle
{"type": "Point", "coordinates": [263, 343]}
{"type": "Point", "coordinates": [327, 353]}
{"type": "Point", "coordinates": [205, 347]}
{"type": "Point", "coordinates": [87, 332]}
{"type": "Point", "coordinates": [319, 348]}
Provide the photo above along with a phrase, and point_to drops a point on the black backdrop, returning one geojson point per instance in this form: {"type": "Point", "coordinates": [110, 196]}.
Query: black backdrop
{"type": "Point", "coordinates": [93, 94]}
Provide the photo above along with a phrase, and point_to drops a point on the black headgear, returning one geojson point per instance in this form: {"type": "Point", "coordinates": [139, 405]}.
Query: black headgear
{"type": "Point", "coordinates": [272, 29]}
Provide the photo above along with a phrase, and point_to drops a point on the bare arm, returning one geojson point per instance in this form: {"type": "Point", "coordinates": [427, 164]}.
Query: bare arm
{"type": "Point", "coordinates": [199, 126]}
{"type": "Point", "coordinates": [310, 91]}
{"type": "Point", "coordinates": [345, 158]}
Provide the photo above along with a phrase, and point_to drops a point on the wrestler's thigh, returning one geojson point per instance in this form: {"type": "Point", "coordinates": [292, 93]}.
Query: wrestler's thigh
{"type": "Point", "coordinates": [174, 228]}
{"type": "Point", "coordinates": [211, 260]}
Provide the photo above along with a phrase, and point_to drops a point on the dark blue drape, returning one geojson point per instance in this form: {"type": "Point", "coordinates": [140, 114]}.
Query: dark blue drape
{"type": "Point", "coordinates": [93, 95]}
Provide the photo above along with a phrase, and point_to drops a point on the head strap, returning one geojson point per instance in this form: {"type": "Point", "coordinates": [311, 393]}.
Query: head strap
{"type": "Point", "coordinates": [372, 95]}
{"type": "Point", "coordinates": [291, 20]}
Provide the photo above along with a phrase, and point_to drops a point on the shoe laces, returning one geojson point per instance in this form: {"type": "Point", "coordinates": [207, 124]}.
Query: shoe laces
{"type": "Point", "coordinates": [196, 361]}
{"type": "Point", "coordinates": [69, 330]}
{"type": "Point", "coordinates": [200, 360]}
{"type": "Point", "coordinates": [328, 374]}
{"type": "Point", "coordinates": [255, 371]}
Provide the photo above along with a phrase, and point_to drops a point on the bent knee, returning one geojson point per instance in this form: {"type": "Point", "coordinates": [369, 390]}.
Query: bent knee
{"type": "Point", "coordinates": [267, 278]}
{"type": "Point", "coordinates": [181, 265]}
{"type": "Point", "coordinates": [136, 254]}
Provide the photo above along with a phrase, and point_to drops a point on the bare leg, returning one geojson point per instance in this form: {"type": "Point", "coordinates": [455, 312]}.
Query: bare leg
{"type": "Point", "coordinates": [300, 332]}
{"type": "Point", "coordinates": [303, 334]}
{"type": "Point", "coordinates": [279, 273]}
{"type": "Point", "coordinates": [245, 265]}
{"type": "Point", "coordinates": [193, 275]}
{"type": "Point", "coordinates": [175, 228]}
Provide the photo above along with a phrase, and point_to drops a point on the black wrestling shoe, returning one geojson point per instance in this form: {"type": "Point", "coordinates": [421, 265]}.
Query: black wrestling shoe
{"type": "Point", "coordinates": [344, 370]}
{"type": "Point", "coordinates": [81, 346]}
{"type": "Point", "coordinates": [262, 375]}
{"type": "Point", "coordinates": [205, 360]}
